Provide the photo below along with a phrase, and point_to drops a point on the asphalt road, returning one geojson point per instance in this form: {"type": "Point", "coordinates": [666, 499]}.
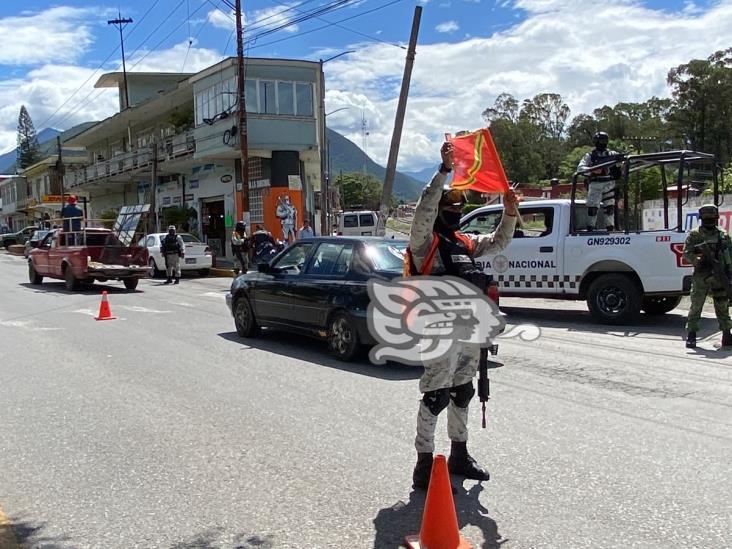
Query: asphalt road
{"type": "Point", "coordinates": [162, 429]}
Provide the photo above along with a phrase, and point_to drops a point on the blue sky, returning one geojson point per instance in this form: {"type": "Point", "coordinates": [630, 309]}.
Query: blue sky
{"type": "Point", "coordinates": [469, 52]}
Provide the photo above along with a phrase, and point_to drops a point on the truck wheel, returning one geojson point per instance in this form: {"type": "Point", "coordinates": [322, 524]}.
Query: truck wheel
{"type": "Point", "coordinates": [343, 338]}
{"type": "Point", "coordinates": [246, 324]}
{"type": "Point", "coordinates": [33, 276]}
{"type": "Point", "coordinates": [614, 299]}
{"type": "Point", "coordinates": [131, 283]}
{"type": "Point", "coordinates": [71, 281]}
{"type": "Point", "coordinates": [660, 305]}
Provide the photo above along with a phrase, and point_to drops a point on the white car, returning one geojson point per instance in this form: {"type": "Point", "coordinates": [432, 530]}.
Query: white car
{"type": "Point", "coordinates": [198, 255]}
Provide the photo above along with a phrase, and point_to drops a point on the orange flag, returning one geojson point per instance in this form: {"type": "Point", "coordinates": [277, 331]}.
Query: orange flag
{"type": "Point", "coordinates": [477, 164]}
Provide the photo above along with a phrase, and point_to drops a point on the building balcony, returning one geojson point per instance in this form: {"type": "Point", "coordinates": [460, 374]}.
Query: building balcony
{"type": "Point", "coordinates": [175, 147]}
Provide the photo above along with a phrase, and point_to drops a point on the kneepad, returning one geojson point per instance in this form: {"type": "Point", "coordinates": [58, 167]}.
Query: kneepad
{"type": "Point", "coordinates": [436, 401]}
{"type": "Point", "coordinates": [592, 211]}
{"type": "Point", "coordinates": [462, 394]}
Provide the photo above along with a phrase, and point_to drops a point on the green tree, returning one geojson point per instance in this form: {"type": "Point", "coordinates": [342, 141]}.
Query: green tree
{"type": "Point", "coordinates": [702, 103]}
{"type": "Point", "coordinates": [29, 151]}
{"type": "Point", "coordinates": [359, 191]}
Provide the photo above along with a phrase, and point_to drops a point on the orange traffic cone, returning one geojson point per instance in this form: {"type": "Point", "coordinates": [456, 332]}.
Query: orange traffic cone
{"type": "Point", "coordinates": [105, 312]}
{"type": "Point", "coordinates": [439, 521]}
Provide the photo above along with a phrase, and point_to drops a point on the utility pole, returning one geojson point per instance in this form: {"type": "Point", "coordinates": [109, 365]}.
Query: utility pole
{"type": "Point", "coordinates": [243, 145]}
{"type": "Point", "coordinates": [399, 123]}
{"type": "Point", "coordinates": [121, 24]}
{"type": "Point", "coordinates": [154, 188]}
{"type": "Point", "coordinates": [60, 168]}
{"type": "Point", "coordinates": [323, 180]}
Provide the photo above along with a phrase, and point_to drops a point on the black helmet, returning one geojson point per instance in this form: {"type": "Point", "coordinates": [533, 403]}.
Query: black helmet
{"type": "Point", "coordinates": [240, 228]}
{"type": "Point", "coordinates": [450, 209]}
{"type": "Point", "coordinates": [600, 139]}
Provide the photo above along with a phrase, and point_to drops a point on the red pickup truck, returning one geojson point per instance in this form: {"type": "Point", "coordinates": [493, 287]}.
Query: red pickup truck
{"type": "Point", "coordinates": [86, 256]}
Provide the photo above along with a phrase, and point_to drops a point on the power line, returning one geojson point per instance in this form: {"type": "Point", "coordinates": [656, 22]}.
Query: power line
{"type": "Point", "coordinates": [359, 33]}
{"type": "Point", "coordinates": [329, 25]}
{"type": "Point", "coordinates": [83, 102]}
{"type": "Point", "coordinates": [115, 50]}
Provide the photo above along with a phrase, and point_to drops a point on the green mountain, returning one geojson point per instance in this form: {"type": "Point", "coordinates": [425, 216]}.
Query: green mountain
{"type": "Point", "coordinates": [347, 156]}
{"type": "Point", "coordinates": [47, 141]}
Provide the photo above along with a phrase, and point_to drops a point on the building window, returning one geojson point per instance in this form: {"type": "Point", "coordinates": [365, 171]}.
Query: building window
{"type": "Point", "coordinates": [250, 96]}
{"type": "Point", "coordinates": [304, 99]}
{"type": "Point", "coordinates": [267, 97]}
{"type": "Point", "coordinates": [255, 167]}
{"type": "Point", "coordinates": [216, 99]}
{"type": "Point", "coordinates": [256, 205]}
{"type": "Point", "coordinates": [285, 98]}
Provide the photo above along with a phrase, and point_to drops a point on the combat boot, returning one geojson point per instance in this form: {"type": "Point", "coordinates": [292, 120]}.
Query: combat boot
{"type": "Point", "coordinates": [169, 280]}
{"type": "Point", "coordinates": [422, 471]}
{"type": "Point", "coordinates": [726, 338]}
{"type": "Point", "coordinates": [177, 280]}
{"type": "Point", "coordinates": [691, 340]}
{"type": "Point", "coordinates": [460, 463]}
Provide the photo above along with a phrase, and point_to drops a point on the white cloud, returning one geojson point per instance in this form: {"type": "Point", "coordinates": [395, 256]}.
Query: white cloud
{"type": "Point", "coordinates": [171, 60]}
{"type": "Point", "coordinates": [268, 18]}
{"type": "Point", "coordinates": [60, 34]}
{"type": "Point", "coordinates": [622, 53]}
{"type": "Point", "coordinates": [45, 89]}
{"type": "Point", "coordinates": [447, 26]}
{"type": "Point", "coordinates": [221, 20]}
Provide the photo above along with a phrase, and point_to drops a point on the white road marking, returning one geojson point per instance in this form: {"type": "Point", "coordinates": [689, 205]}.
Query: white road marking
{"type": "Point", "coordinates": [138, 309]}
{"type": "Point", "coordinates": [214, 294]}
{"type": "Point", "coordinates": [183, 304]}
{"type": "Point", "coordinates": [86, 312]}
{"type": "Point", "coordinates": [27, 325]}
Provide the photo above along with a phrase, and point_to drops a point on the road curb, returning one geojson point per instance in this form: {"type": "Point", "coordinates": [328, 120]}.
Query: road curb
{"type": "Point", "coordinates": [222, 272]}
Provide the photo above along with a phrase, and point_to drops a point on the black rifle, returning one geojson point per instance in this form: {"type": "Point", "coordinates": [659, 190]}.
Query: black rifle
{"type": "Point", "coordinates": [484, 385]}
{"type": "Point", "coordinates": [710, 257]}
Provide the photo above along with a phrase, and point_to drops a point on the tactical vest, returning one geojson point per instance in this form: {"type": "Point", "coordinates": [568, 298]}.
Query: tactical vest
{"type": "Point", "coordinates": [170, 244]}
{"type": "Point", "coordinates": [609, 173]}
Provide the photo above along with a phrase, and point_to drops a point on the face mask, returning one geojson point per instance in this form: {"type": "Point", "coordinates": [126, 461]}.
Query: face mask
{"type": "Point", "coordinates": [601, 146]}
{"type": "Point", "coordinates": [709, 223]}
{"type": "Point", "coordinates": [450, 219]}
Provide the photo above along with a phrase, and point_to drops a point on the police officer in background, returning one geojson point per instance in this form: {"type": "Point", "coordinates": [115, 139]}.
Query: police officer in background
{"type": "Point", "coordinates": [601, 182]}
{"type": "Point", "coordinates": [172, 248]}
{"type": "Point", "coordinates": [704, 281]}
{"type": "Point", "coordinates": [448, 383]}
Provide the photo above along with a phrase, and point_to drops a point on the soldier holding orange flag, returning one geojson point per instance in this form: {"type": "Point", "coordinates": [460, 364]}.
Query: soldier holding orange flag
{"type": "Point", "coordinates": [437, 247]}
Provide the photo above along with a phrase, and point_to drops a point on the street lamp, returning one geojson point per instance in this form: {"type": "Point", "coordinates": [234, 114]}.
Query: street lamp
{"type": "Point", "coordinates": [324, 183]}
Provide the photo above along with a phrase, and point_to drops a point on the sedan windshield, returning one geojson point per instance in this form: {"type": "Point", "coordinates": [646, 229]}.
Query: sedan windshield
{"type": "Point", "coordinates": [387, 256]}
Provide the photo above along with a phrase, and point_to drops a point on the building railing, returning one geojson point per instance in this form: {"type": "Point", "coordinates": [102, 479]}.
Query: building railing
{"type": "Point", "coordinates": [173, 147]}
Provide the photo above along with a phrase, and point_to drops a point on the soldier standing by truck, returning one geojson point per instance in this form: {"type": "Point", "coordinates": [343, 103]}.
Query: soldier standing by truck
{"type": "Point", "coordinates": [709, 249]}
{"type": "Point", "coordinates": [601, 186]}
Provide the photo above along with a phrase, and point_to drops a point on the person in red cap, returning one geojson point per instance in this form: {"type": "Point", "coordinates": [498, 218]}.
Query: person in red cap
{"type": "Point", "coordinates": [72, 216]}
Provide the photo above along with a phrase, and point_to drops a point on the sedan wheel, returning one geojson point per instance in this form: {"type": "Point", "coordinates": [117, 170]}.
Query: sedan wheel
{"type": "Point", "coordinates": [342, 338]}
{"type": "Point", "coordinates": [246, 324]}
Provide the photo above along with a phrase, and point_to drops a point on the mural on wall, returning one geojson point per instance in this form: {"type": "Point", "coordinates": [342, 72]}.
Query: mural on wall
{"type": "Point", "coordinates": [287, 214]}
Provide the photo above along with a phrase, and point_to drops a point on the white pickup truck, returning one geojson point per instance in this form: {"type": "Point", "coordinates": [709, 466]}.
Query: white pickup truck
{"type": "Point", "coordinates": [618, 274]}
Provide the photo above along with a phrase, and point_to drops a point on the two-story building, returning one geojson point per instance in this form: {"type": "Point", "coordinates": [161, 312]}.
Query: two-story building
{"type": "Point", "coordinates": [43, 199]}
{"type": "Point", "coordinates": [182, 135]}
{"type": "Point", "coordinates": [13, 190]}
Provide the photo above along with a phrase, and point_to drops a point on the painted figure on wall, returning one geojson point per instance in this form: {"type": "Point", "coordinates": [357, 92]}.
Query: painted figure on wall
{"type": "Point", "coordinates": [287, 214]}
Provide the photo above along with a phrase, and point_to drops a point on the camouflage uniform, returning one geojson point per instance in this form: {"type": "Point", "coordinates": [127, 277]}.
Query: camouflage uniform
{"type": "Point", "coordinates": [703, 280]}
{"type": "Point", "coordinates": [600, 186]}
{"type": "Point", "coordinates": [442, 378]}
